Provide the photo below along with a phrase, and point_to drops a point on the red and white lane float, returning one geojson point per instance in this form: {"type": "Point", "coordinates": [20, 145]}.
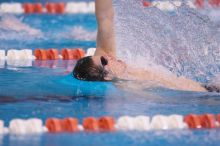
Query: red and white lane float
{"type": "Point", "coordinates": [109, 124]}
{"type": "Point", "coordinates": [43, 54]}
{"type": "Point", "coordinates": [24, 57]}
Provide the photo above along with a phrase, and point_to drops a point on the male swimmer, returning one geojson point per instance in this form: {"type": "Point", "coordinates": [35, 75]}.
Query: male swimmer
{"type": "Point", "coordinates": [104, 66]}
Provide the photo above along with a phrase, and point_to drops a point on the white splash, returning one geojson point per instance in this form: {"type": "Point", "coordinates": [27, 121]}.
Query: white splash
{"type": "Point", "coordinates": [186, 42]}
{"type": "Point", "coordinates": [80, 33]}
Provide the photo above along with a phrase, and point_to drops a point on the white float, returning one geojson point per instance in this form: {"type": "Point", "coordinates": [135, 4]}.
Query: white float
{"type": "Point", "coordinates": [125, 123]}
{"type": "Point", "coordinates": [34, 126]}
{"type": "Point", "coordinates": [19, 63]}
{"type": "Point", "coordinates": [91, 7]}
{"type": "Point", "coordinates": [26, 54]}
{"type": "Point", "coordinates": [80, 7]}
{"type": "Point", "coordinates": [2, 54]}
{"type": "Point", "coordinates": [176, 122]}
{"type": "Point", "coordinates": [141, 123]}
{"type": "Point", "coordinates": [2, 58]}
{"type": "Point", "coordinates": [11, 8]}
{"type": "Point", "coordinates": [159, 122]}
{"type": "Point", "coordinates": [2, 63]}
{"type": "Point", "coordinates": [1, 127]}
{"type": "Point", "coordinates": [17, 127]}
{"type": "Point", "coordinates": [90, 51]}
{"type": "Point", "coordinates": [29, 126]}
{"type": "Point", "coordinates": [20, 57]}
{"type": "Point", "coordinates": [13, 54]}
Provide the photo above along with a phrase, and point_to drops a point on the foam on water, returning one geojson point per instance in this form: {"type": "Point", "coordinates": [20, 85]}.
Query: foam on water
{"type": "Point", "coordinates": [186, 42]}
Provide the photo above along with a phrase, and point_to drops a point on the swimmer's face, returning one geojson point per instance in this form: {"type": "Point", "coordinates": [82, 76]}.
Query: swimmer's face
{"type": "Point", "coordinates": [98, 68]}
{"type": "Point", "coordinates": [114, 67]}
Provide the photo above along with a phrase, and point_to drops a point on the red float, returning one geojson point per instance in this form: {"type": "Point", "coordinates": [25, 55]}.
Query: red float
{"type": "Point", "coordinates": [208, 121]}
{"type": "Point", "coordinates": [28, 8]}
{"type": "Point", "coordinates": [70, 125]}
{"type": "Point", "coordinates": [72, 54]}
{"type": "Point", "coordinates": [214, 3]}
{"type": "Point", "coordinates": [78, 53]}
{"type": "Point", "coordinates": [90, 124]}
{"type": "Point", "coordinates": [218, 119]}
{"type": "Point", "coordinates": [67, 54]}
{"type": "Point", "coordinates": [40, 54]}
{"type": "Point", "coordinates": [54, 125]}
{"type": "Point", "coordinates": [146, 3]}
{"type": "Point", "coordinates": [106, 124]}
{"type": "Point", "coordinates": [193, 121]}
{"type": "Point", "coordinates": [199, 3]}
{"type": "Point", "coordinates": [60, 8]}
{"type": "Point", "coordinates": [38, 8]}
{"type": "Point", "coordinates": [52, 54]}
{"type": "Point", "coordinates": [51, 8]}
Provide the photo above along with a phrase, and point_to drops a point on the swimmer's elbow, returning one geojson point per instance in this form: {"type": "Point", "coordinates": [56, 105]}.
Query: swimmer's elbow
{"type": "Point", "coordinates": [105, 16]}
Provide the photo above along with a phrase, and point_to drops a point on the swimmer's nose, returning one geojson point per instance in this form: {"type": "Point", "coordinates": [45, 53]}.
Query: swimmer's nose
{"type": "Point", "coordinates": [104, 61]}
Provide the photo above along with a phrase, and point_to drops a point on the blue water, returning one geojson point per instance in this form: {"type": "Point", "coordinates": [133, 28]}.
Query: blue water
{"type": "Point", "coordinates": [47, 89]}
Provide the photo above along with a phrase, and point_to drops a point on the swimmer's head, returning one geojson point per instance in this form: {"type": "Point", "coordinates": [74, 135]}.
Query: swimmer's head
{"type": "Point", "coordinates": [97, 68]}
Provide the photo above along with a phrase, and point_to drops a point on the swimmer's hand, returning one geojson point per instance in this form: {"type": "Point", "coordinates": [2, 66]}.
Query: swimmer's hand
{"type": "Point", "coordinates": [212, 88]}
{"type": "Point", "coordinates": [213, 85]}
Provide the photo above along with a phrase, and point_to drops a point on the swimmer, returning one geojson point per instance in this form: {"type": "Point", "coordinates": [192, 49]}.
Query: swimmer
{"type": "Point", "coordinates": [104, 66]}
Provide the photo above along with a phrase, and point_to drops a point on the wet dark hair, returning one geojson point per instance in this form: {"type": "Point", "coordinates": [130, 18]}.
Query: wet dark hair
{"type": "Point", "coordinates": [85, 69]}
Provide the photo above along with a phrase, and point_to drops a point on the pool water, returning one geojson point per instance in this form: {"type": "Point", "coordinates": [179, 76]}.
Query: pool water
{"type": "Point", "coordinates": [47, 89]}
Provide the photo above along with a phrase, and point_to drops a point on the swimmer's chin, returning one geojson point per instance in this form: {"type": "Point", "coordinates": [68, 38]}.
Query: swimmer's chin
{"type": "Point", "coordinates": [115, 79]}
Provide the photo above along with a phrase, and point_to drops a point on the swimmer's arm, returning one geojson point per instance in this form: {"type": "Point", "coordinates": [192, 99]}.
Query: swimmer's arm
{"type": "Point", "coordinates": [105, 36]}
{"type": "Point", "coordinates": [168, 80]}
{"type": "Point", "coordinates": [183, 83]}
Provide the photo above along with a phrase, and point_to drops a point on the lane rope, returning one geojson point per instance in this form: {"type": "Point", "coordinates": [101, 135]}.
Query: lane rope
{"type": "Point", "coordinates": [110, 124]}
